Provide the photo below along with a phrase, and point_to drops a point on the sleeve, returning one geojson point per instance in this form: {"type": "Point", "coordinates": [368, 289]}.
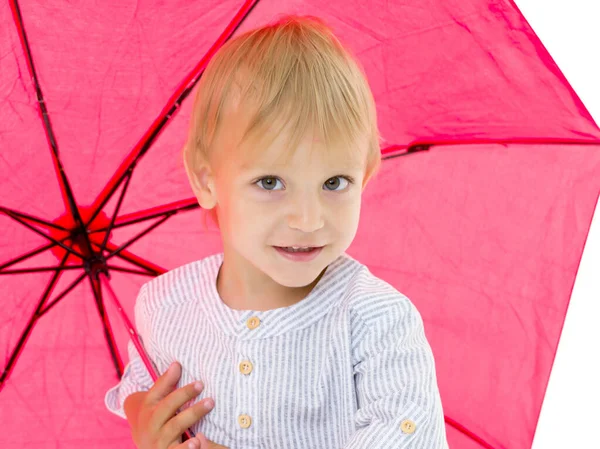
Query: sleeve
{"type": "Point", "coordinates": [399, 404]}
{"type": "Point", "coordinates": [135, 375]}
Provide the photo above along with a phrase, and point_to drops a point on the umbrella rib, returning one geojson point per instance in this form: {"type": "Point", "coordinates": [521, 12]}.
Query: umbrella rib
{"type": "Point", "coordinates": [391, 151]}
{"type": "Point", "coordinates": [116, 212]}
{"type": "Point", "coordinates": [65, 187]}
{"type": "Point", "coordinates": [41, 269]}
{"type": "Point", "coordinates": [37, 231]}
{"type": "Point", "coordinates": [137, 237]}
{"type": "Point", "coordinates": [26, 256]}
{"type": "Point", "coordinates": [147, 214]}
{"type": "Point", "coordinates": [30, 325]}
{"type": "Point", "coordinates": [135, 260]}
{"type": "Point", "coordinates": [6, 210]}
{"type": "Point", "coordinates": [62, 294]}
{"type": "Point", "coordinates": [168, 111]}
{"type": "Point", "coordinates": [108, 334]}
{"type": "Point", "coordinates": [135, 338]}
{"type": "Point", "coordinates": [130, 270]}
{"type": "Point", "coordinates": [468, 433]}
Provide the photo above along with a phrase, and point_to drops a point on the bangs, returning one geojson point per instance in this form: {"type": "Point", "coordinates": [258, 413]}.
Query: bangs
{"type": "Point", "coordinates": [291, 125]}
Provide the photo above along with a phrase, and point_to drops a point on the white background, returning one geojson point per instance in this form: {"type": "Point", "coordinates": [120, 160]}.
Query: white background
{"type": "Point", "coordinates": [570, 417]}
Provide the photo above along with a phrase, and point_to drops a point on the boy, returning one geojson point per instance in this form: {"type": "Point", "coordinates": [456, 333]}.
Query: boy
{"type": "Point", "coordinates": [296, 343]}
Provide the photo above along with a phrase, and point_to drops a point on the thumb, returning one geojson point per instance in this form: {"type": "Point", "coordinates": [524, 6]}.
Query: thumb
{"type": "Point", "coordinates": [165, 384]}
{"type": "Point", "coordinates": [205, 443]}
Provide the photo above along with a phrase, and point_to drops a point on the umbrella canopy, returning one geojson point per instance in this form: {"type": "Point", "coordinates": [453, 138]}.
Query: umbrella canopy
{"type": "Point", "coordinates": [479, 214]}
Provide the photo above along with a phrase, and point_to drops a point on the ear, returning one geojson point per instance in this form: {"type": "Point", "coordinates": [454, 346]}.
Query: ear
{"type": "Point", "coordinates": [366, 178]}
{"type": "Point", "coordinates": [365, 182]}
{"type": "Point", "coordinates": [201, 178]}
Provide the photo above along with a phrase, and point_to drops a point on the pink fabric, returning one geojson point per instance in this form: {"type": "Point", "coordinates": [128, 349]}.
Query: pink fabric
{"type": "Point", "coordinates": [484, 238]}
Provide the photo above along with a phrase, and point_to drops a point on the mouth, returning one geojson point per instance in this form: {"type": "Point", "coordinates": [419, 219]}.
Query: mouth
{"type": "Point", "coordinates": [299, 253]}
{"type": "Point", "coordinates": [299, 249]}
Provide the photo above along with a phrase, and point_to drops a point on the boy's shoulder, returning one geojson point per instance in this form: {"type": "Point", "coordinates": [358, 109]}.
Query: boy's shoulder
{"type": "Point", "coordinates": [373, 299]}
{"type": "Point", "coordinates": [180, 284]}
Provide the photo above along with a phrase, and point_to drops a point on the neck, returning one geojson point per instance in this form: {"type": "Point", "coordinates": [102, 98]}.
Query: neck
{"type": "Point", "coordinates": [242, 286]}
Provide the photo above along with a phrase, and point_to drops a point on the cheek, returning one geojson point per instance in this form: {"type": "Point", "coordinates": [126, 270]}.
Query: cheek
{"type": "Point", "coordinates": [344, 214]}
{"type": "Point", "coordinates": [248, 216]}
{"type": "Point", "coordinates": [231, 209]}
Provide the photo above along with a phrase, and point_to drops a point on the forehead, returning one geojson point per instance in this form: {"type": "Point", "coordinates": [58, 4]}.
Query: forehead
{"type": "Point", "coordinates": [277, 152]}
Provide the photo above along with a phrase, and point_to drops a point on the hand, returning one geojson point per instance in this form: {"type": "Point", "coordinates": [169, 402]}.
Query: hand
{"type": "Point", "coordinates": [151, 415]}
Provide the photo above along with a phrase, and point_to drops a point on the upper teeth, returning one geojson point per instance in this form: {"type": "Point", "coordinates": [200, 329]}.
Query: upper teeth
{"type": "Point", "coordinates": [298, 248]}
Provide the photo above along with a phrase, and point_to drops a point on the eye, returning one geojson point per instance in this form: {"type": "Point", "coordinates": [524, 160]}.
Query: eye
{"type": "Point", "coordinates": [268, 183]}
{"type": "Point", "coordinates": [333, 184]}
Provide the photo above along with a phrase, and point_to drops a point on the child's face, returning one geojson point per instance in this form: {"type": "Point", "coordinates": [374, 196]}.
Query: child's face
{"type": "Point", "coordinates": [305, 200]}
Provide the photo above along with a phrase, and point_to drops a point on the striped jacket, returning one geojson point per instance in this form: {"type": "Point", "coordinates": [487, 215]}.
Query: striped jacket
{"type": "Point", "coordinates": [348, 366]}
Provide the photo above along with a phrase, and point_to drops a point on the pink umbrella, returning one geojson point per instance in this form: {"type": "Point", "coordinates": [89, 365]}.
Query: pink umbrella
{"type": "Point", "coordinates": [481, 223]}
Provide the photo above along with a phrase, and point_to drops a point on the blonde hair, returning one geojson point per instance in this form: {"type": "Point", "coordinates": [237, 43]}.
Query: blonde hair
{"type": "Point", "coordinates": [293, 74]}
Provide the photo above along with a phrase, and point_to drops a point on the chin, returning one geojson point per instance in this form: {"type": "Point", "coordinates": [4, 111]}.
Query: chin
{"type": "Point", "coordinates": [297, 278]}
{"type": "Point", "coordinates": [294, 284]}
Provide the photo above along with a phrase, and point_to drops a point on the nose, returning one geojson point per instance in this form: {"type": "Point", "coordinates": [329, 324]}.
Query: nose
{"type": "Point", "coordinates": [306, 213]}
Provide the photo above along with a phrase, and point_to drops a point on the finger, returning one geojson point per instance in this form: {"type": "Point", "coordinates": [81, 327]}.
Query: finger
{"type": "Point", "coordinates": [165, 384]}
{"type": "Point", "coordinates": [178, 424]}
{"type": "Point", "coordinates": [167, 407]}
{"type": "Point", "coordinates": [175, 444]}
{"type": "Point", "coordinates": [203, 441]}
